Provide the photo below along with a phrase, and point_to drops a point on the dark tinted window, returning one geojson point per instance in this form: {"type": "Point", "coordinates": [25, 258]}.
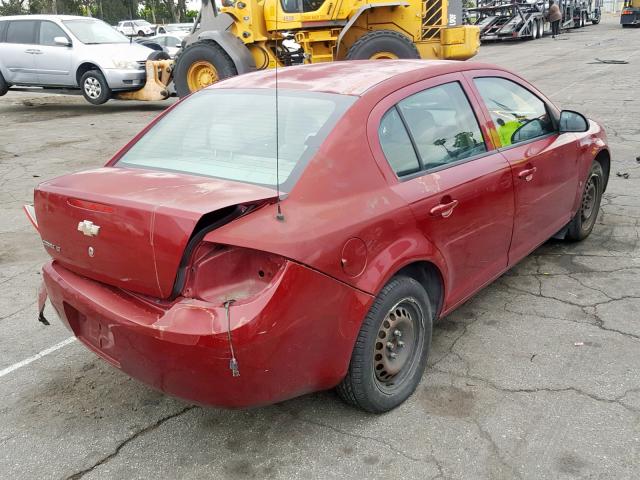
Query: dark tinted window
{"type": "Point", "coordinates": [49, 31]}
{"type": "Point", "coordinates": [396, 144]}
{"type": "Point", "coordinates": [301, 6]}
{"type": "Point", "coordinates": [443, 125]}
{"type": "Point", "coordinates": [517, 114]}
{"type": "Point", "coordinates": [3, 27]}
{"type": "Point", "coordinates": [22, 31]}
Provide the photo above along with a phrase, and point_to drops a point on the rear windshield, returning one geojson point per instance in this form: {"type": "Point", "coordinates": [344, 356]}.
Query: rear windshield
{"type": "Point", "coordinates": [231, 134]}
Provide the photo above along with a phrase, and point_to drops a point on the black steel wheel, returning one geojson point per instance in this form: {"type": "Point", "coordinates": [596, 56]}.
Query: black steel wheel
{"type": "Point", "coordinates": [391, 350]}
{"type": "Point", "coordinates": [4, 86]}
{"type": "Point", "coordinates": [382, 45]}
{"type": "Point", "coordinates": [585, 218]}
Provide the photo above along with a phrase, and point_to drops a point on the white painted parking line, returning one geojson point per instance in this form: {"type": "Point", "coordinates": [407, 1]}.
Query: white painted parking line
{"type": "Point", "coordinates": [38, 355]}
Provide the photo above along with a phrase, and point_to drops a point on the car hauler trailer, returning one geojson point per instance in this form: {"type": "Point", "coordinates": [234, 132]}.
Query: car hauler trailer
{"type": "Point", "coordinates": [508, 19]}
{"type": "Point", "coordinates": [527, 19]}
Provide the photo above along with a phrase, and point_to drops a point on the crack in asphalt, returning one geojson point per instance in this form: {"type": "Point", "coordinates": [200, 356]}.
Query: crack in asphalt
{"type": "Point", "coordinates": [597, 398]}
{"type": "Point", "coordinates": [431, 460]}
{"type": "Point", "coordinates": [128, 440]}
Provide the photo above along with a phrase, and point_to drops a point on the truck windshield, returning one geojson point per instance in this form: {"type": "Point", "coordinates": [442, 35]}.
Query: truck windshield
{"type": "Point", "coordinates": [231, 134]}
{"type": "Point", "coordinates": [93, 31]}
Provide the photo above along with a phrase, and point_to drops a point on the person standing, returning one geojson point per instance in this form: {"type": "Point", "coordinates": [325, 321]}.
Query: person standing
{"type": "Point", "coordinates": [554, 17]}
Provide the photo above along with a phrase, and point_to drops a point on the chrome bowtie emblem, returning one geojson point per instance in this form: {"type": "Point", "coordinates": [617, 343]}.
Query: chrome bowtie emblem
{"type": "Point", "coordinates": [88, 228]}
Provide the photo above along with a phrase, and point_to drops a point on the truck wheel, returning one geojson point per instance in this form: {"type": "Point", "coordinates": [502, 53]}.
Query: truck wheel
{"type": "Point", "coordinates": [541, 29]}
{"type": "Point", "coordinates": [391, 350]}
{"type": "Point", "coordinates": [4, 86]}
{"type": "Point", "coordinates": [382, 45]}
{"type": "Point", "coordinates": [534, 30]}
{"type": "Point", "coordinates": [596, 20]}
{"type": "Point", "coordinates": [94, 87]}
{"type": "Point", "coordinates": [585, 218]}
{"type": "Point", "coordinates": [199, 65]}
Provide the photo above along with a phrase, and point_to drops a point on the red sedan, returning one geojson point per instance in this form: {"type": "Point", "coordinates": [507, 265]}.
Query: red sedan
{"type": "Point", "coordinates": [233, 260]}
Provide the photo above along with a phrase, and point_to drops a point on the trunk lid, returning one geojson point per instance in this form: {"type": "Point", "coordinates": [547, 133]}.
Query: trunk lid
{"type": "Point", "coordinates": [129, 227]}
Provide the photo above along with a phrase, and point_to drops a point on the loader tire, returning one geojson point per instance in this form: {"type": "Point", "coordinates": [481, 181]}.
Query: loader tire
{"type": "Point", "coordinates": [382, 44]}
{"type": "Point", "coordinates": [200, 65]}
{"type": "Point", "coordinates": [4, 87]}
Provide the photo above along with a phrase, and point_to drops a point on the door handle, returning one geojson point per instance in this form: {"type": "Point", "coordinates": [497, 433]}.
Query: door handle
{"type": "Point", "coordinates": [33, 51]}
{"type": "Point", "coordinates": [444, 210]}
{"type": "Point", "coordinates": [527, 174]}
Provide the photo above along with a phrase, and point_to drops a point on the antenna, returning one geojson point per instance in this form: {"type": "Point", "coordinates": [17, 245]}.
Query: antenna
{"type": "Point", "coordinates": [279, 214]}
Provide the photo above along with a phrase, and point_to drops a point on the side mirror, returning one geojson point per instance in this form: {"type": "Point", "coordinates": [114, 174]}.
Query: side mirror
{"type": "Point", "coordinates": [178, 45]}
{"type": "Point", "coordinates": [63, 41]}
{"type": "Point", "coordinates": [573, 122]}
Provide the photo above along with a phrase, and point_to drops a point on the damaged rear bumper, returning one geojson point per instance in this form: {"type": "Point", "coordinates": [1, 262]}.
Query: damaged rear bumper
{"type": "Point", "coordinates": [295, 338]}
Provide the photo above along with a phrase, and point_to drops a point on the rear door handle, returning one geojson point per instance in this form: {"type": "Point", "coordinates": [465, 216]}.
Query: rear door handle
{"type": "Point", "coordinates": [527, 174]}
{"type": "Point", "coordinates": [33, 51]}
{"type": "Point", "coordinates": [444, 210]}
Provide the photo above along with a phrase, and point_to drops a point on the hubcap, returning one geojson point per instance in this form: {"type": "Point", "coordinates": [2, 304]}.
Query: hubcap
{"type": "Point", "coordinates": [92, 87]}
{"type": "Point", "coordinates": [589, 198]}
{"type": "Point", "coordinates": [384, 56]}
{"type": "Point", "coordinates": [398, 343]}
{"type": "Point", "coordinates": [201, 74]}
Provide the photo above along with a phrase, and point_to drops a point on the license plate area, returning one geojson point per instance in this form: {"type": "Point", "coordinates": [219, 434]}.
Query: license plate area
{"type": "Point", "coordinates": [93, 332]}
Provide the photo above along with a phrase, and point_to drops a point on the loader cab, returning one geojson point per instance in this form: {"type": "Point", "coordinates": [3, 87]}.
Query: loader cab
{"type": "Point", "coordinates": [297, 14]}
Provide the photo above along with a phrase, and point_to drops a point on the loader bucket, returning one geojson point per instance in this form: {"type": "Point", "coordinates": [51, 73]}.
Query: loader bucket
{"type": "Point", "coordinates": [158, 78]}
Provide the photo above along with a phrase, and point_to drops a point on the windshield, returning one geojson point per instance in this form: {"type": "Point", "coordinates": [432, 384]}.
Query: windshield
{"type": "Point", "coordinates": [93, 31]}
{"type": "Point", "coordinates": [231, 134]}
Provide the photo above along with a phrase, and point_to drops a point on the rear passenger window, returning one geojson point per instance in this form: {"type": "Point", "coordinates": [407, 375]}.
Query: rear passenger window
{"type": "Point", "coordinates": [396, 144]}
{"type": "Point", "coordinates": [517, 114]}
{"type": "Point", "coordinates": [49, 31]}
{"type": "Point", "coordinates": [23, 31]}
{"type": "Point", "coordinates": [443, 125]}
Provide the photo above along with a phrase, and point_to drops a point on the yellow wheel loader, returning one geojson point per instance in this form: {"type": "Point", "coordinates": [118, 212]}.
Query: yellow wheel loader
{"type": "Point", "coordinates": [246, 35]}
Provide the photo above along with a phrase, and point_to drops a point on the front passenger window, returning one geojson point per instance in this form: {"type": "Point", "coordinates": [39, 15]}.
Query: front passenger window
{"type": "Point", "coordinates": [517, 114]}
{"type": "Point", "coordinates": [49, 31]}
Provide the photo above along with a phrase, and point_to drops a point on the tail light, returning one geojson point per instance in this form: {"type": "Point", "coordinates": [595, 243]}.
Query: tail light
{"type": "Point", "coordinates": [219, 273]}
{"type": "Point", "coordinates": [31, 215]}
{"type": "Point", "coordinates": [626, 12]}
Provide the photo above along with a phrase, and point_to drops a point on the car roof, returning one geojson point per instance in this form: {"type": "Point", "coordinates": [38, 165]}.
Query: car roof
{"type": "Point", "coordinates": [350, 78]}
{"type": "Point", "coordinates": [45, 17]}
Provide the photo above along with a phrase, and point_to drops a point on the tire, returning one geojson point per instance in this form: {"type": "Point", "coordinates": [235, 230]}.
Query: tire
{"type": "Point", "coordinates": [368, 385]}
{"type": "Point", "coordinates": [534, 30]}
{"type": "Point", "coordinates": [585, 218]}
{"type": "Point", "coordinates": [541, 29]}
{"type": "Point", "coordinates": [595, 20]}
{"type": "Point", "coordinates": [141, 33]}
{"type": "Point", "coordinates": [94, 87]}
{"type": "Point", "coordinates": [159, 55]}
{"type": "Point", "coordinates": [203, 52]}
{"type": "Point", "coordinates": [4, 86]}
{"type": "Point", "coordinates": [382, 44]}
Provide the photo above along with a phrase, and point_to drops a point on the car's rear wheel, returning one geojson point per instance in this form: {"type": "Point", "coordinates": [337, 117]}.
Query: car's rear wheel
{"type": "Point", "coordinates": [4, 86]}
{"type": "Point", "coordinates": [391, 350]}
{"type": "Point", "coordinates": [94, 87]}
{"type": "Point", "coordinates": [585, 218]}
{"type": "Point", "coordinates": [382, 45]}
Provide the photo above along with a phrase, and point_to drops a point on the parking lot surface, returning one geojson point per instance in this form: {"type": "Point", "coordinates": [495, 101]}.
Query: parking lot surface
{"type": "Point", "coordinates": [536, 377]}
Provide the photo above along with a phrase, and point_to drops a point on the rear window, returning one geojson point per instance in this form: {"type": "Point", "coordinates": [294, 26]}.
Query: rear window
{"type": "Point", "coordinates": [231, 134]}
{"type": "Point", "coordinates": [21, 31]}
